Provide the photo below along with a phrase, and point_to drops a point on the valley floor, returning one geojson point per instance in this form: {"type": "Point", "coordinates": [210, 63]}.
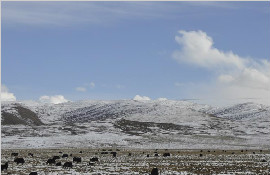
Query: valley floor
{"type": "Point", "coordinates": [139, 161]}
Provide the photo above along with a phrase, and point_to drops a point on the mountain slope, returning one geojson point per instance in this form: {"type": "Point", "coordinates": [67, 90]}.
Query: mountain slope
{"type": "Point", "coordinates": [15, 114]}
{"type": "Point", "coordinates": [130, 123]}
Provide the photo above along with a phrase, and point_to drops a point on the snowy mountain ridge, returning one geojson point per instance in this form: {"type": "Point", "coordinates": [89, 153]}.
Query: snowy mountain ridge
{"type": "Point", "coordinates": [133, 123]}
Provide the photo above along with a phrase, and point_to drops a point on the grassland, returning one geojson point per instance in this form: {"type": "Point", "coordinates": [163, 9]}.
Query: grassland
{"type": "Point", "coordinates": [136, 161]}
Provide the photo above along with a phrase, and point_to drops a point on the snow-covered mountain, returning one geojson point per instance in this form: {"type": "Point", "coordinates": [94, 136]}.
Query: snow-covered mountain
{"type": "Point", "coordinates": [131, 123]}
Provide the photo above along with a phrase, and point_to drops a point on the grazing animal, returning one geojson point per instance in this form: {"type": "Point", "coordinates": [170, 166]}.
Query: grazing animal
{"type": "Point", "coordinates": [156, 155]}
{"type": "Point", "coordinates": [19, 160]}
{"type": "Point", "coordinates": [4, 167]}
{"type": "Point", "coordinates": [14, 154]}
{"type": "Point", "coordinates": [114, 154]}
{"type": "Point", "coordinates": [50, 161]}
{"type": "Point", "coordinates": [94, 159]}
{"type": "Point", "coordinates": [77, 159]}
{"type": "Point", "coordinates": [67, 165]}
{"type": "Point", "coordinates": [80, 151]}
{"type": "Point", "coordinates": [166, 154]}
{"type": "Point", "coordinates": [129, 154]}
{"type": "Point", "coordinates": [30, 154]}
{"type": "Point", "coordinates": [104, 152]}
{"type": "Point", "coordinates": [58, 164]}
{"type": "Point", "coordinates": [154, 171]}
{"type": "Point", "coordinates": [60, 152]}
{"type": "Point", "coordinates": [56, 157]}
{"type": "Point", "coordinates": [33, 173]}
{"type": "Point", "coordinates": [65, 155]}
{"type": "Point", "coordinates": [201, 155]}
{"type": "Point", "coordinates": [147, 155]}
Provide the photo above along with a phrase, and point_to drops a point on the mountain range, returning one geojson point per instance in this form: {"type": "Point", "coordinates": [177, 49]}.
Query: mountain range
{"type": "Point", "coordinates": [131, 123]}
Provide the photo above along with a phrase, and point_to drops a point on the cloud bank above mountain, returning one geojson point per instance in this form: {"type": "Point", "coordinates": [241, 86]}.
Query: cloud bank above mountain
{"type": "Point", "coordinates": [56, 99]}
{"type": "Point", "coordinates": [237, 77]}
{"type": "Point", "coordinates": [6, 95]}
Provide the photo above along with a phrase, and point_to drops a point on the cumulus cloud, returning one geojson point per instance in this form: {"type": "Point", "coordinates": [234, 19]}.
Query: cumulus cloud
{"type": "Point", "coordinates": [197, 48]}
{"type": "Point", "coordinates": [81, 89]}
{"type": "Point", "coordinates": [235, 74]}
{"type": "Point", "coordinates": [56, 99]}
{"type": "Point", "coordinates": [6, 95]}
{"type": "Point", "coordinates": [141, 98]}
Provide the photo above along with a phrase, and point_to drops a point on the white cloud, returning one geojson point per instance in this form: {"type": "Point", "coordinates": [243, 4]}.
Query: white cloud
{"type": "Point", "coordinates": [92, 85]}
{"type": "Point", "coordinates": [141, 98]}
{"type": "Point", "coordinates": [236, 76]}
{"type": "Point", "coordinates": [69, 13]}
{"type": "Point", "coordinates": [162, 99]}
{"type": "Point", "coordinates": [81, 89]}
{"type": "Point", "coordinates": [56, 99]}
{"type": "Point", "coordinates": [5, 95]}
{"type": "Point", "coordinates": [197, 48]}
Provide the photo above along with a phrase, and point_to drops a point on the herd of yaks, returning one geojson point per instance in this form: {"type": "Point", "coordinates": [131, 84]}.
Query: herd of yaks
{"type": "Point", "coordinates": [93, 160]}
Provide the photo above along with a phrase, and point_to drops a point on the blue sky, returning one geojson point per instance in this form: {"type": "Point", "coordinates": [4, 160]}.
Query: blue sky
{"type": "Point", "coordinates": [116, 50]}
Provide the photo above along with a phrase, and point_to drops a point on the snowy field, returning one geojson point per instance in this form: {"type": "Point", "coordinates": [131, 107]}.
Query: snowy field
{"type": "Point", "coordinates": [139, 161]}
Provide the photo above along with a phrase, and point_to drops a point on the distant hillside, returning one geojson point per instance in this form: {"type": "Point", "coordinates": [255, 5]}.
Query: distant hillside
{"type": "Point", "coordinates": [16, 114]}
{"type": "Point", "coordinates": [132, 123]}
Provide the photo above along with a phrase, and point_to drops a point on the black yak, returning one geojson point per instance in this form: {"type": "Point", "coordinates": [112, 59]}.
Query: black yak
{"type": "Point", "coordinates": [166, 154]}
{"type": "Point", "coordinates": [50, 161]}
{"type": "Point", "coordinates": [94, 159]}
{"type": "Point", "coordinates": [114, 154]}
{"type": "Point", "coordinates": [4, 167]}
{"type": "Point", "coordinates": [77, 159]}
{"type": "Point", "coordinates": [14, 154]}
{"type": "Point", "coordinates": [67, 165]}
{"type": "Point", "coordinates": [33, 173]}
{"type": "Point", "coordinates": [65, 155]}
{"type": "Point", "coordinates": [154, 171]}
{"type": "Point", "coordinates": [19, 160]}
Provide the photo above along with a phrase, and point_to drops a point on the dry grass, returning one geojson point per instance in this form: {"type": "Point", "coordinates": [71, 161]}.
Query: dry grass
{"type": "Point", "coordinates": [180, 161]}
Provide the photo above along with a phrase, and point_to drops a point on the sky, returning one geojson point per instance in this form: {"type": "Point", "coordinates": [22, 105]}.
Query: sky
{"type": "Point", "coordinates": [210, 52]}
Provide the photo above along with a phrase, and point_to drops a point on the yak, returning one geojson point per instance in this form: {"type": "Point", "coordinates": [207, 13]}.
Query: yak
{"type": "Point", "coordinates": [94, 159]}
{"type": "Point", "coordinates": [14, 154]}
{"type": "Point", "coordinates": [67, 164]}
{"type": "Point", "coordinates": [19, 160]}
{"type": "Point", "coordinates": [33, 173]}
{"type": "Point", "coordinates": [166, 154]}
{"type": "Point", "coordinates": [77, 159]}
{"type": "Point", "coordinates": [50, 161]}
{"type": "Point", "coordinates": [4, 167]}
{"type": "Point", "coordinates": [154, 171]}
